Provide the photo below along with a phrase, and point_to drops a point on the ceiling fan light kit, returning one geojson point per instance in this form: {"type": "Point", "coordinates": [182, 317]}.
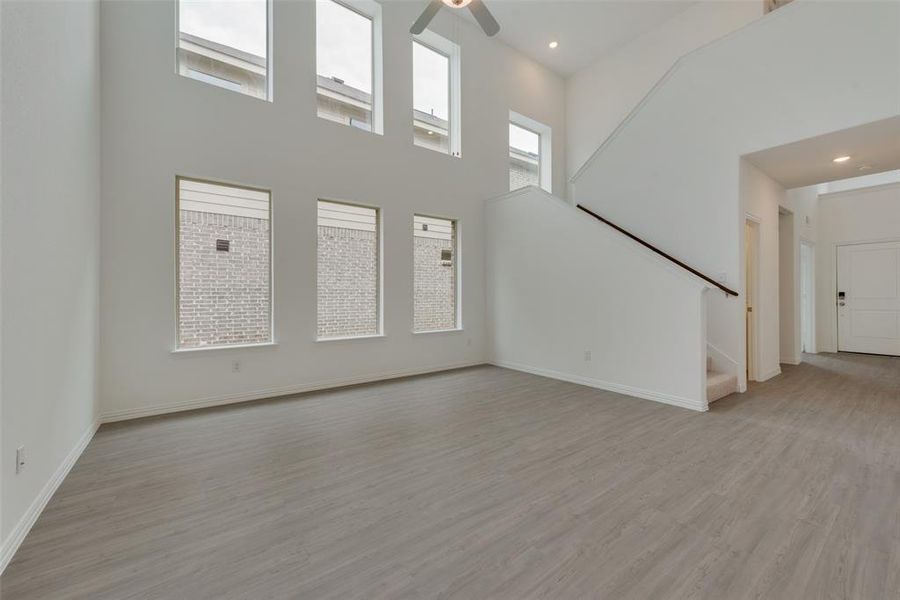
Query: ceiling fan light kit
{"type": "Point", "coordinates": [484, 17]}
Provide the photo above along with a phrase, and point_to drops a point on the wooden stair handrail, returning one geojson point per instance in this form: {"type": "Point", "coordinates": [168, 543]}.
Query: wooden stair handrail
{"type": "Point", "coordinates": [650, 246]}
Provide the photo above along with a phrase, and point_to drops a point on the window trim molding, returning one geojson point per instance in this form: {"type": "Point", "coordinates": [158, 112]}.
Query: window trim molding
{"type": "Point", "coordinates": [371, 10]}
{"type": "Point", "coordinates": [270, 89]}
{"type": "Point", "coordinates": [458, 271]}
{"type": "Point", "coordinates": [379, 272]}
{"type": "Point", "coordinates": [545, 137]}
{"type": "Point", "coordinates": [453, 52]}
{"type": "Point", "coordinates": [272, 341]}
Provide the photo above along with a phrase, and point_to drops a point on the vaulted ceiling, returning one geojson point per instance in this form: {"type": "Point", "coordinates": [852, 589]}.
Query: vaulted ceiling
{"type": "Point", "coordinates": [585, 29]}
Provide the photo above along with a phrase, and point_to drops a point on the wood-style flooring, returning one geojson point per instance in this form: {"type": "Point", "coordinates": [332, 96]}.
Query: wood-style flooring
{"type": "Point", "coordinates": [489, 483]}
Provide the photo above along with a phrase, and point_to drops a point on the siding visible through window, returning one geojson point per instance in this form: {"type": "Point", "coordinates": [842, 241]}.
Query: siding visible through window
{"type": "Point", "coordinates": [206, 78]}
{"type": "Point", "coordinates": [524, 157]}
{"type": "Point", "coordinates": [344, 65]}
{"type": "Point", "coordinates": [435, 274]}
{"type": "Point", "coordinates": [224, 268]}
{"type": "Point", "coordinates": [225, 44]}
{"type": "Point", "coordinates": [348, 271]}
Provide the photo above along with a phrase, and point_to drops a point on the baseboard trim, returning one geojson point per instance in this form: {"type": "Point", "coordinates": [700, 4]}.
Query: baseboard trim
{"type": "Point", "coordinates": [20, 531]}
{"type": "Point", "coordinates": [790, 361]}
{"type": "Point", "coordinates": [275, 392]}
{"type": "Point", "coordinates": [769, 375]}
{"type": "Point", "coordinates": [670, 399]}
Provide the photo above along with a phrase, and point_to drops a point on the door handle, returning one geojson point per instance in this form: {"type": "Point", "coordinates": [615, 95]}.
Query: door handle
{"type": "Point", "coordinates": [842, 303]}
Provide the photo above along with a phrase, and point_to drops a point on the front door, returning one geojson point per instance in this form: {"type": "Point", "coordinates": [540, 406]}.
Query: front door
{"type": "Point", "coordinates": [868, 298]}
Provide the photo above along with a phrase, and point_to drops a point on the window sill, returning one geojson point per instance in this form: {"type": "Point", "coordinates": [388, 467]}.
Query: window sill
{"type": "Point", "coordinates": [438, 152]}
{"type": "Point", "coordinates": [228, 347]}
{"type": "Point", "coordinates": [370, 131]}
{"type": "Point", "coordinates": [348, 338]}
{"type": "Point", "coordinates": [454, 330]}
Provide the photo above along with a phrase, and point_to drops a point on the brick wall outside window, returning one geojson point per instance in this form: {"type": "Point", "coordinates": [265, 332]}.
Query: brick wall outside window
{"type": "Point", "coordinates": [224, 297]}
{"type": "Point", "coordinates": [522, 174]}
{"type": "Point", "coordinates": [347, 282]}
{"type": "Point", "coordinates": [435, 285]}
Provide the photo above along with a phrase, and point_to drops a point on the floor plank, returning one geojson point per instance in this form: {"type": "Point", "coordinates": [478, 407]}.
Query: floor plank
{"type": "Point", "coordinates": [489, 483]}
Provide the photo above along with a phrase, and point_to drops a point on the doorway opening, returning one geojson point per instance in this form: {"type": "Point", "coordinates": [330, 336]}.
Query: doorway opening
{"type": "Point", "coordinates": [789, 347]}
{"type": "Point", "coordinates": [807, 297]}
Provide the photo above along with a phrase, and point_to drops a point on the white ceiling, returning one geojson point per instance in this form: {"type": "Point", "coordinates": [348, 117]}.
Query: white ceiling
{"type": "Point", "coordinates": [807, 162]}
{"type": "Point", "coordinates": [585, 29]}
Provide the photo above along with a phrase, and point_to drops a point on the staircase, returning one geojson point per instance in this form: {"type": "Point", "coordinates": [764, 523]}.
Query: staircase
{"type": "Point", "coordinates": [670, 172]}
{"type": "Point", "coordinates": [718, 384]}
{"type": "Point", "coordinates": [579, 295]}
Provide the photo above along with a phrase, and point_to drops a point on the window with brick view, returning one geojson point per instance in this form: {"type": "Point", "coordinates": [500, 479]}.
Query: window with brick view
{"type": "Point", "coordinates": [225, 43]}
{"type": "Point", "coordinates": [348, 271]}
{"type": "Point", "coordinates": [224, 265]}
{"type": "Point", "coordinates": [435, 273]}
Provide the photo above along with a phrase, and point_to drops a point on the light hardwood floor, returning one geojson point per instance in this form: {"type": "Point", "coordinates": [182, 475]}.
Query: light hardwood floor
{"type": "Point", "coordinates": [488, 483]}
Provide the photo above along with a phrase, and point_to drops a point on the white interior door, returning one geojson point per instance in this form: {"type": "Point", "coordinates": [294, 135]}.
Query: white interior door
{"type": "Point", "coordinates": [868, 290]}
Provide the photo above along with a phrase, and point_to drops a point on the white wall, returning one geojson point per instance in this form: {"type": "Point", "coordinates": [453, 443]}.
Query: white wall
{"type": "Point", "coordinates": [599, 97]}
{"type": "Point", "coordinates": [50, 246]}
{"type": "Point", "coordinates": [561, 284]}
{"type": "Point", "coordinates": [788, 276]}
{"type": "Point", "coordinates": [863, 215]}
{"type": "Point", "coordinates": [671, 174]}
{"type": "Point", "coordinates": [803, 204]}
{"type": "Point", "coordinates": [157, 124]}
{"type": "Point", "coordinates": [760, 197]}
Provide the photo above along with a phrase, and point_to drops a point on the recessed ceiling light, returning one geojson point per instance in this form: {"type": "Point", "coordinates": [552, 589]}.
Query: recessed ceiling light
{"type": "Point", "coordinates": [553, 45]}
{"type": "Point", "coordinates": [841, 159]}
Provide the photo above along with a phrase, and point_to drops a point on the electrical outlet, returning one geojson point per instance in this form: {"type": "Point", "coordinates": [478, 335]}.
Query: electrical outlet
{"type": "Point", "coordinates": [236, 366]}
{"type": "Point", "coordinates": [587, 355]}
{"type": "Point", "coordinates": [20, 459]}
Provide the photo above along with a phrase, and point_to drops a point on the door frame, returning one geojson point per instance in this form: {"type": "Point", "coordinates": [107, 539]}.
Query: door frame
{"type": "Point", "coordinates": [811, 299]}
{"type": "Point", "coordinates": [751, 319]}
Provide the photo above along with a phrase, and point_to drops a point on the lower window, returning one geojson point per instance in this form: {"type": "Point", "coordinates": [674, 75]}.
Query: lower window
{"type": "Point", "coordinates": [224, 268]}
{"type": "Point", "coordinates": [348, 271]}
{"type": "Point", "coordinates": [435, 274]}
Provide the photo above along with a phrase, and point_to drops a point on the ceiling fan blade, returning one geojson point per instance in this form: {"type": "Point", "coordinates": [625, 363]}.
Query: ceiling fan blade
{"type": "Point", "coordinates": [425, 18]}
{"type": "Point", "coordinates": [484, 17]}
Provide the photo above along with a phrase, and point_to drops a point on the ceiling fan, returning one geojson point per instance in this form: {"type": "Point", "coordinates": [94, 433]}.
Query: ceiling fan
{"type": "Point", "coordinates": [476, 7]}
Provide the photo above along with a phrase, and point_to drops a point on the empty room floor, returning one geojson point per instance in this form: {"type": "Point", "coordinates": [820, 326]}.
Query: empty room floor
{"type": "Point", "coordinates": [489, 483]}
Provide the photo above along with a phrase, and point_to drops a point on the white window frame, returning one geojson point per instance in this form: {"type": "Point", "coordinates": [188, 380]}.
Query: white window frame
{"type": "Point", "coordinates": [545, 135]}
{"type": "Point", "coordinates": [379, 273]}
{"type": "Point", "coordinates": [442, 45]}
{"type": "Point", "coordinates": [177, 348]}
{"type": "Point", "coordinates": [370, 10]}
{"type": "Point", "coordinates": [269, 62]}
{"type": "Point", "coordinates": [457, 267]}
